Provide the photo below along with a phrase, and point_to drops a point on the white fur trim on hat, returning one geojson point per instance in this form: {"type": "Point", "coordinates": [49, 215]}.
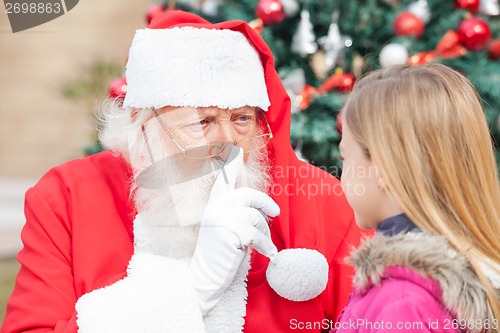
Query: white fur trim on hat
{"type": "Point", "coordinates": [194, 67]}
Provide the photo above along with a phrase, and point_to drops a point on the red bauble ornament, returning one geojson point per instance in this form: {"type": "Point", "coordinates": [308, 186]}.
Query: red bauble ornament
{"type": "Point", "coordinates": [494, 50]}
{"type": "Point", "coordinates": [306, 97]}
{"type": "Point", "coordinates": [339, 81]}
{"type": "Point", "coordinates": [346, 82]}
{"type": "Point", "coordinates": [408, 24]}
{"type": "Point", "coordinates": [118, 88]}
{"type": "Point", "coordinates": [422, 58]}
{"type": "Point", "coordinates": [449, 46]}
{"type": "Point", "coordinates": [474, 33]}
{"type": "Point", "coordinates": [153, 11]}
{"type": "Point", "coordinates": [270, 11]}
{"type": "Point", "coordinates": [470, 5]}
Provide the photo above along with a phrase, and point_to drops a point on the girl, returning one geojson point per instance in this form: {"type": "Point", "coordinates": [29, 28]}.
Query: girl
{"type": "Point", "coordinates": [419, 168]}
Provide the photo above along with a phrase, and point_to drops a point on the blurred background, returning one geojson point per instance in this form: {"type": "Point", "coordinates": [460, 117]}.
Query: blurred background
{"type": "Point", "coordinates": [50, 78]}
{"type": "Point", "coordinates": [54, 75]}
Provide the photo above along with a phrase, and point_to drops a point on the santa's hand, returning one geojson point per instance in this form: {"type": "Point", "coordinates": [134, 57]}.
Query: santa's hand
{"type": "Point", "coordinates": [233, 220]}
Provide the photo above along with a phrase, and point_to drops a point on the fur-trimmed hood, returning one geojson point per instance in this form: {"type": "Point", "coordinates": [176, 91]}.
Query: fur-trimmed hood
{"type": "Point", "coordinates": [430, 256]}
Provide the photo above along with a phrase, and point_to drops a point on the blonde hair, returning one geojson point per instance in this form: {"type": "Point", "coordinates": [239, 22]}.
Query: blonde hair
{"type": "Point", "coordinates": [425, 129]}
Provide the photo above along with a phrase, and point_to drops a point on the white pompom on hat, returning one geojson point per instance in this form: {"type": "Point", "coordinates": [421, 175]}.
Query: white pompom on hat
{"type": "Point", "coordinates": [298, 274]}
{"type": "Point", "coordinates": [187, 66]}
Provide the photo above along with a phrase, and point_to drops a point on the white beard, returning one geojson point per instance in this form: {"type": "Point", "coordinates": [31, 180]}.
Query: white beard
{"type": "Point", "coordinates": [171, 193]}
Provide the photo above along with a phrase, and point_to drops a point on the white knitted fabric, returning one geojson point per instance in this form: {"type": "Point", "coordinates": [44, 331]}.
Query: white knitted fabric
{"type": "Point", "coordinates": [194, 67]}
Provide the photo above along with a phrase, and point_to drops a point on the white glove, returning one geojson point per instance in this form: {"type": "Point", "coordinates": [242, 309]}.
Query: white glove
{"type": "Point", "coordinates": [233, 220]}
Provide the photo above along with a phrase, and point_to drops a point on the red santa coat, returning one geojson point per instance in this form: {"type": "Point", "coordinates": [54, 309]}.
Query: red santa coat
{"type": "Point", "coordinates": [79, 234]}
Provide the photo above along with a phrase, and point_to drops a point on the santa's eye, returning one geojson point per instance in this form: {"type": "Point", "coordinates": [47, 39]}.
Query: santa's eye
{"type": "Point", "coordinates": [243, 119]}
{"type": "Point", "coordinates": [199, 125]}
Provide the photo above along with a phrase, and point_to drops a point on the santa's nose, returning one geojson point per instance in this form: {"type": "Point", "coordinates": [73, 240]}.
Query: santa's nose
{"type": "Point", "coordinates": [224, 133]}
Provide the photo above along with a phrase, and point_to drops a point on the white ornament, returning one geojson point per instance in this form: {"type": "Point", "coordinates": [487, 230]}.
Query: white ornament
{"type": "Point", "coordinates": [393, 54]}
{"type": "Point", "coordinates": [210, 7]}
{"type": "Point", "coordinates": [334, 43]}
{"type": "Point", "coordinates": [420, 9]}
{"type": "Point", "coordinates": [489, 7]}
{"type": "Point", "coordinates": [291, 7]}
{"type": "Point", "coordinates": [303, 41]}
{"type": "Point", "coordinates": [294, 83]}
{"type": "Point", "coordinates": [300, 156]}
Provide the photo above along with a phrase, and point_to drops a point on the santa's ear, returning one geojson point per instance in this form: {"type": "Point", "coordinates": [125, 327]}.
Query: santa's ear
{"type": "Point", "coordinates": [133, 114]}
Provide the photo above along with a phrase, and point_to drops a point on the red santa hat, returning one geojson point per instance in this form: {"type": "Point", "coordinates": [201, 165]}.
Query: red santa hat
{"type": "Point", "coordinates": [177, 65]}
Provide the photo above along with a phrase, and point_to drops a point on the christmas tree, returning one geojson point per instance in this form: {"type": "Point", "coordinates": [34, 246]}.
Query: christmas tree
{"type": "Point", "coordinates": [320, 47]}
{"type": "Point", "coordinates": [91, 87]}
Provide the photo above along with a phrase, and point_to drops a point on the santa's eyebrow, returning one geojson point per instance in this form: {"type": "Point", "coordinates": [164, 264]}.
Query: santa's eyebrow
{"type": "Point", "coordinates": [243, 110]}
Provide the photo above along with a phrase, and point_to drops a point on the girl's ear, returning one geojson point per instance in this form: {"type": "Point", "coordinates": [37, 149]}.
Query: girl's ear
{"type": "Point", "coordinates": [380, 183]}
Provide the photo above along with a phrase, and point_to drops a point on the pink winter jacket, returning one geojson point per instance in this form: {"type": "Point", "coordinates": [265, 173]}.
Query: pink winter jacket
{"type": "Point", "coordinates": [403, 301]}
{"type": "Point", "coordinates": [413, 282]}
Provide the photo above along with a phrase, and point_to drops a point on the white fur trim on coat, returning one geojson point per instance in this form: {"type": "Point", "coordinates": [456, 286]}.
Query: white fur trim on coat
{"type": "Point", "coordinates": [194, 67]}
{"type": "Point", "coordinates": [493, 276]}
{"type": "Point", "coordinates": [158, 295]}
{"type": "Point", "coordinates": [431, 256]}
{"type": "Point", "coordinates": [228, 316]}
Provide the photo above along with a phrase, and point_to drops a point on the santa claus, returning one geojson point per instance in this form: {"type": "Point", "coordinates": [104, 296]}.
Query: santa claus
{"type": "Point", "coordinates": [180, 224]}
